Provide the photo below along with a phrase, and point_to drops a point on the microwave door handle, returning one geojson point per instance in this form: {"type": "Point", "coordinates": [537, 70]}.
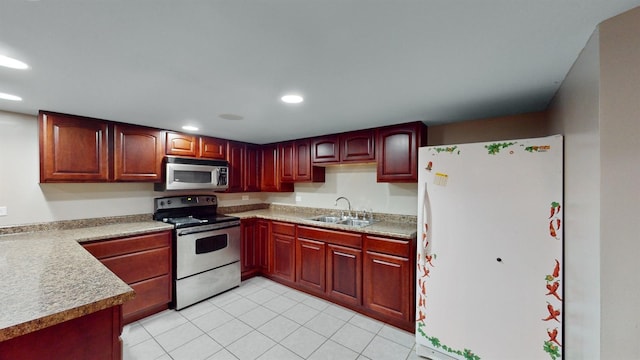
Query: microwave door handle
{"type": "Point", "coordinates": [216, 176]}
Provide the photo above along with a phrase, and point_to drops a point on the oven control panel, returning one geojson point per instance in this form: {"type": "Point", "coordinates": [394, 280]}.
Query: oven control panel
{"type": "Point", "coordinates": [176, 202]}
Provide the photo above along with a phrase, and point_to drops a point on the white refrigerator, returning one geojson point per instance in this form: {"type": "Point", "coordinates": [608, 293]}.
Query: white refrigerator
{"type": "Point", "coordinates": [490, 266]}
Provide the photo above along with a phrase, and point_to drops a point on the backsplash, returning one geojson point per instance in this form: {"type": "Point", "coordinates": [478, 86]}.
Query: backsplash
{"type": "Point", "coordinates": [73, 224]}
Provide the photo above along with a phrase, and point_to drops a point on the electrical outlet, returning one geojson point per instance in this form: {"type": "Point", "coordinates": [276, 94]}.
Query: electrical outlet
{"type": "Point", "coordinates": [3, 211]}
{"type": "Point", "coordinates": [298, 198]}
{"type": "Point", "coordinates": [245, 197]}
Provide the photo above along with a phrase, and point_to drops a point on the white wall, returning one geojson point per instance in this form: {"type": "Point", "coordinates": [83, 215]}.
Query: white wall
{"type": "Point", "coordinates": [574, 112]}
{"type": "Point", "coordinates": [28, 201]}
{"type": "Point", "coordinates": [358, 184]}
{"type": "Point", "coordinates": [597, 108]}
{"type": "Point", "coordinates": [620, 185]}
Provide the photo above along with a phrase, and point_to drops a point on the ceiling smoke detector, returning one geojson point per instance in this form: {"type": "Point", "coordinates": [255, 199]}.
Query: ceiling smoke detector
{"type": "Point", "coordinates": [231, 117]}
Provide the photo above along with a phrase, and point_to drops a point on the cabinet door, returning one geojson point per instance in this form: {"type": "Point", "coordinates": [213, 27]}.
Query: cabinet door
{"type": "Point", "coordinates": [235, 153]}
{"type": "Point", "coordinates": [283, 250]}
{"type": "Point", "coordinates": [149, 293]}
{"type": "Point", "coordinates": [138, 153]}
{"type": "Point", "coordinates": [182, 144]}
{"type": "Point", "coordinates": [397, 152]}
{"type": "Point", "coordinates": [325, 150]}
{"type": "Point", "coordinates": [358, 146]}
{"type": "Point", "coordinates": [144, 262]}
{"type": "Point", "coordinates": [262, 255]}
{"type": "Point", "coordinates": [310, 264]}
{"type": "Point", "coordinates": [73, 149]}
{"type": "Point", "coordinates": [270, 170]}
{"type": "Point", "coordinates": [344, 274]}
{"type": "Point", "coordinates": [302, 161]}
{"type": "Point", "coordinates": [287, 161]}
{"type": "Point", "coordinates": [270, 176]}
{"type": "Point", "coordinates": [248, 246]}
{"type": "Point", "coordinates": [251, 173]}
{"type": "Point", "coordinates": [212, 148]}
{"type": "Point", "coordinates": [386, 285]}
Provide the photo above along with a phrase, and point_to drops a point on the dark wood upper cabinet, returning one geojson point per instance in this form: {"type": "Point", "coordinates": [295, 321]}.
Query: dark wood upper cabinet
{"type": "Point", "coordinates": [212, 148]}
{"type": "Point", "coordinates": [73, 149]}
{"type": "Point", "coordinates": [397, 151]}
{"type": "Point", "coordinates": [295, 157]}
{"type": "Point", "coordinates": [251, 172]}
{"type": "Point", "coordinates": [325, 150]}
{"type": "Point", "coordinates": [235, 157]}
{"type": "Point", "coordinates": [182, 144]}
{"type": "Point", "coordinates": [270, 170]}
{"type": "Point", "coordinates": [138, 153]}
{"type": "Point", "coordinates": [287, 160]}
{"type": "Point", "coordinates": [357, 146]}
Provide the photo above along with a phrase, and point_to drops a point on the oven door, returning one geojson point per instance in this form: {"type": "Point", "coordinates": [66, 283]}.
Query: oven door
{"type": "Point", "coordinates": [201, 250]}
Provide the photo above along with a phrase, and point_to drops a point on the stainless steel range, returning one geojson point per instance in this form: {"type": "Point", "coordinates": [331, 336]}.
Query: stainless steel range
{"type": "Point", "coordinates": [206, 247]}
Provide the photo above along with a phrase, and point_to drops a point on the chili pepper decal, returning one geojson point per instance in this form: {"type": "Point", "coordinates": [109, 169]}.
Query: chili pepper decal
{"type": "Point", "coordinates": [553, 290]}
{"type": "Point", "coordinates": [553, 335]}
{"type": "Point", "coordinates": [553, 313]}
{"type": "Point", "coordinates": [555, 209]}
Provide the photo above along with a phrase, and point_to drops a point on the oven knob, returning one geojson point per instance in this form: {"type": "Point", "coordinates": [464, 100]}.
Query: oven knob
{"type": "Point", "coordinates": [161, 203]}
{"type": "Point", "coordinates": [168, 202]}
{"type": "Point", "coordinates": [208, 199]}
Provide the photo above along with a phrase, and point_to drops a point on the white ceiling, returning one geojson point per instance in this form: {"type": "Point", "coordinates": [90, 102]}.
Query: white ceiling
{"type": "Point", "coordinates": [358, 63]}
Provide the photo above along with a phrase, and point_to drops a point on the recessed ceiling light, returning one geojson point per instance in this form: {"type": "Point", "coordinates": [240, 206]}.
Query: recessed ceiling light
{"type": "Point", "coordinates": [10, 97]}
{"type": "Point", "coordinates": [12, 63]}
{"type": "Point", "coordinates": [190, 128]}
{"type": "Point", "coordinates": [292, 99]}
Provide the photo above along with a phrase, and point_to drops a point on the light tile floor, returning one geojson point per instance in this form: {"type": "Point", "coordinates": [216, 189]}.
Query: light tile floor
{"type": "Point", "coordinates": [262, 319]}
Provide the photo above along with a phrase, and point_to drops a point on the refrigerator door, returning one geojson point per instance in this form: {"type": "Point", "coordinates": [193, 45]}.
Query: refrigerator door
{"type": "Point", "coordinates": [489, 271]}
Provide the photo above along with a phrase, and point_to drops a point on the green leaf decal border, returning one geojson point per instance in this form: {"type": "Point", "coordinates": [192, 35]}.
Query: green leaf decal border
{"type": "Point", "coordinates": [435, 342]}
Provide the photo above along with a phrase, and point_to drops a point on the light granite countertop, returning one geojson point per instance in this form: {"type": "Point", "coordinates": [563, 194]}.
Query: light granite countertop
{"type": "Point", "coordinates": [47, 277]}
{"type": "Point", "coordinates": [402, 227]}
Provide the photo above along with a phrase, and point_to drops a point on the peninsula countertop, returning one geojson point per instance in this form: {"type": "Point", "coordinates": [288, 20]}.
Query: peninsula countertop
{"type": "Point", "coordinates": [48, 278]}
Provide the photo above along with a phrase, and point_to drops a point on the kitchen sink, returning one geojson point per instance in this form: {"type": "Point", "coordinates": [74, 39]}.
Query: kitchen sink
{"type": "Point", "coordinates": [356, 222]}
{"type": "Point", "coordinates": [349, 221]}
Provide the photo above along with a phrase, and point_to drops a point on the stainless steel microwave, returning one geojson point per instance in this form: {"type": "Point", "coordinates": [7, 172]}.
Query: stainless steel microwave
{"type": "Point", "coordinates": [194, 174]}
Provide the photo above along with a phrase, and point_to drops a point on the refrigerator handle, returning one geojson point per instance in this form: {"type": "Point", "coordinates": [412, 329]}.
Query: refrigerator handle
{"type": "Point", "coordinates": [425, 242]}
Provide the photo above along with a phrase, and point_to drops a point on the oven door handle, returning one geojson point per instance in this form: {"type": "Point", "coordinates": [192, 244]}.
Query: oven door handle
{"type": "Point", "coordinates": [207, 228]}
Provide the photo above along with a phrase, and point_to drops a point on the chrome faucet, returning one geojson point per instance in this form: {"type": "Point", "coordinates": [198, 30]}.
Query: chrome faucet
{"type": "Point", "coordinates": [348, 203]}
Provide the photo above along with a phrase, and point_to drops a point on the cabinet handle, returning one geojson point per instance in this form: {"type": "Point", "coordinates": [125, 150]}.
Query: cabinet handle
{"type": "Point", "coordinates": [343, 254]}
{"type": "Point", "coordinates": [385, 263]}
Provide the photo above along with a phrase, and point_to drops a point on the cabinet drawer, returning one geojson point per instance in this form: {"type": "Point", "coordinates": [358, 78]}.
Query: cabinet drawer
{"type": "Point", "coordinates": [107, 248]}
{"type": "Point", "coordinates": [283, 228]}
{"type": "Point", "coordinates": [149, 293]}
{"type": "Point", "coordinates": [388, 246]}
{"type": "Point", "coordinates": [330, 236]}
{"type": "Point", "coordinates": [139, 266]}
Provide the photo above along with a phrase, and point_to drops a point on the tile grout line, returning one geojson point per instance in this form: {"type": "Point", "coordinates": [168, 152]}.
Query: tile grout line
{"type": "Point", "coordinates": [297, 298]}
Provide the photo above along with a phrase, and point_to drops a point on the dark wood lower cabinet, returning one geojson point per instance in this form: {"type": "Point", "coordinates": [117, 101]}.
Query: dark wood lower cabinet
{"type": "Point", "coordinates": [310, 265]}
{"type": "Point", "coordinates": [369, 274]}
{"type": "Point", "coordinates": [283, 251]}
{"type": "Point", "coordinates": [344, 274]}
{"type": "Point", "coordinates": [387, 289]}
{"type": "Point", "coordinates": [143, 262]}
{"type": "Point", "coordinates": [93, 336]}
